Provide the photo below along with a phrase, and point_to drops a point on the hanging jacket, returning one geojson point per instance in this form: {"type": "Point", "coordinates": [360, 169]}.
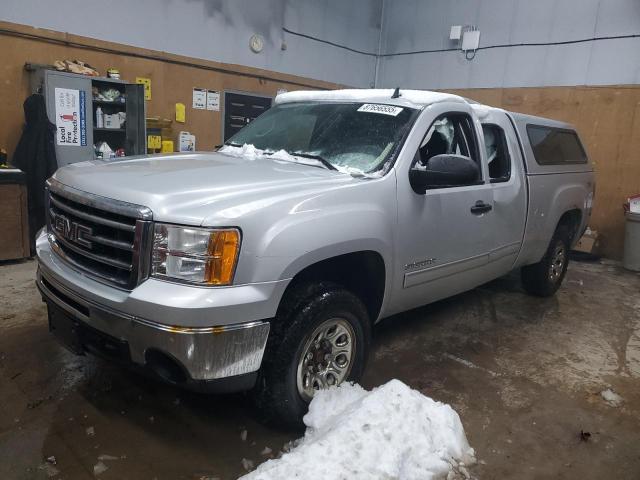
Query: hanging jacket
{"type": "Point", "coordinates": [36, 156]}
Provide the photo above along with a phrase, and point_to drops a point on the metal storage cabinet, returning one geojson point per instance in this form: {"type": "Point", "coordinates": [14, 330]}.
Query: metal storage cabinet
{"type": "Point", "coordinates": [132, 138]}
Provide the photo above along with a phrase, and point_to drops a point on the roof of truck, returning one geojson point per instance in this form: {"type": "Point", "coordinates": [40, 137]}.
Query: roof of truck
{"type": "Point", "coordinates": [408, 98]}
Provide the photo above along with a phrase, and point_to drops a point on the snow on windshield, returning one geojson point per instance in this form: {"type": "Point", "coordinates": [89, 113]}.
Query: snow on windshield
{"type": "Point", "coordinates": [389, 432]}
{"type": "Point", "coordinates": [250, 152]}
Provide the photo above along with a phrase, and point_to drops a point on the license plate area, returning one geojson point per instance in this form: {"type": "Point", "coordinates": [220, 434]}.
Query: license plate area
{"type": "Point", "coordinates": [65, 328]}
{"type": "Point", "coordinates": [79, 338]}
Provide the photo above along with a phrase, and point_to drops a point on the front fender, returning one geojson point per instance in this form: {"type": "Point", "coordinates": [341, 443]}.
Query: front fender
{"type": "Point", "coordinates": [281, 242]}
{"type": "Point", "coordinates": [289, 246]}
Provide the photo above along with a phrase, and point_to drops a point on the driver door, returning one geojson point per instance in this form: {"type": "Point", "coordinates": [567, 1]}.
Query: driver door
{"type": "Point", "coordinates": [444, 239]}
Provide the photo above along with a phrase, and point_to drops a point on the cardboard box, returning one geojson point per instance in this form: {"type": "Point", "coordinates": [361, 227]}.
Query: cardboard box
{"type": "Point", "coordinates": [588, 243]}
{"type": "Point", "coordinates": [186, 142]}
{"type": "Point", "coordinates": [111, 121]}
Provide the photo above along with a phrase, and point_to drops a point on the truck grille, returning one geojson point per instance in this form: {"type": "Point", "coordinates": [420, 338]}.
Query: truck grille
{"type": "Point", "coordinates": [105, 238]}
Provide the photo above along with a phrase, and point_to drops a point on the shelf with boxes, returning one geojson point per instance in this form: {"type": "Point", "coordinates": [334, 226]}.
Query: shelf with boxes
{"type": "Point", "coordinates": [110, 116]}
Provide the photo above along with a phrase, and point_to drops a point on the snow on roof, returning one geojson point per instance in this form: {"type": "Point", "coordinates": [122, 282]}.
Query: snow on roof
{"type": "Point", "coordinates": [482, 111]}
{"type": "Point", "coordinates": [408, 98]}
{"type": "Point", "coordinates": [389, 432]}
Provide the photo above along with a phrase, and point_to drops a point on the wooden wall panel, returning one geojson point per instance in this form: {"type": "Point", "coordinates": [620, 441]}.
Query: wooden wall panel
{"type": "Point", "coordinates": [14, 235]}
{"type": "Point", "coordinates": [608, 120]}
{"type": "Point", "coordinates": [172, 78]}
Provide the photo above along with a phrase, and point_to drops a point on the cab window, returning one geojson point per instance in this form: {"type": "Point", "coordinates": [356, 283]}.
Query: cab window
{"type": "Point", "coordinates": [451, 133]}
{"type": "Point", "coordinates": [498, 158]}
{"type": "Point", "coordinates": [555, 146]}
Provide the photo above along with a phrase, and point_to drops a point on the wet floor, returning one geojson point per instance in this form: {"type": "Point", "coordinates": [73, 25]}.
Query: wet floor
{"type": "Point", "coordinates": [525, 375]}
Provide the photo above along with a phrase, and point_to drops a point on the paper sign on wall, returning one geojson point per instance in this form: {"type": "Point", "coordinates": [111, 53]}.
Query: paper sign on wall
{"type": "Point", "coordinates": [199, 98]}
{"type": "Point", "coordinates": [71, 121]}
{"type": "Point", "coordinates": [213, 100]}
{"type": "Point", "coordinates": [147, 86]}
{"type": "Point", "coordinates": [180, 113]}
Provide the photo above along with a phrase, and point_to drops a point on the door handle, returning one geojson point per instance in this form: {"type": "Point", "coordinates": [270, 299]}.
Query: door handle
{"type": "Point", "coordinates": [480, 207]}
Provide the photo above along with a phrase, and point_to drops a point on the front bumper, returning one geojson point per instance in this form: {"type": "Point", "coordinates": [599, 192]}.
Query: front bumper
{"type": "Point", "coordinates": [230, 349]}
{"type": "Point", "coordinates": [205, 354]}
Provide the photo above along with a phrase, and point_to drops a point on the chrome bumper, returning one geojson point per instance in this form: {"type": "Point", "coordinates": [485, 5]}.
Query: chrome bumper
{"type": "Point", "coordinates": [206, 353]}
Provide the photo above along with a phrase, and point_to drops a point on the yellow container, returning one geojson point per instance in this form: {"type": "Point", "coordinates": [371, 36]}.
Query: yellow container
{"type": "Point", "coordinates": [154, 142]}
{"type": "Point", "coordinates": [167, 146]}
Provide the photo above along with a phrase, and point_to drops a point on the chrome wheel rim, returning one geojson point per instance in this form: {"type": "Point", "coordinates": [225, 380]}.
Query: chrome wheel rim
{"type": "Point", "coordinates": [557, 263]}
{"type": "Point", "coordinates": [326, 357]}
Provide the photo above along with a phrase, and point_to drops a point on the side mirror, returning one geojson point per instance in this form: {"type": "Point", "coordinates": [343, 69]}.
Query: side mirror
{"type": "Point", "coordinates": [444, 171]}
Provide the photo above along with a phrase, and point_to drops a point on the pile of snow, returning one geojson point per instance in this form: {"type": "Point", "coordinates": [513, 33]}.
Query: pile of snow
{"type": "Point", "coordinates": [391, 432]}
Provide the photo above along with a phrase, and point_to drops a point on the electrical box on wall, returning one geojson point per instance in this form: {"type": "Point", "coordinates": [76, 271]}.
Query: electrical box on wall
{"type": "Point", "coordinates": [470, 40]}
{"type": "Point", "coordinates": [456, 32]}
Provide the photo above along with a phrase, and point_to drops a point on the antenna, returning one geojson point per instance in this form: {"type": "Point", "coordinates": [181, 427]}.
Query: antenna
{"type": "Point", "coordinates": [396, 93]}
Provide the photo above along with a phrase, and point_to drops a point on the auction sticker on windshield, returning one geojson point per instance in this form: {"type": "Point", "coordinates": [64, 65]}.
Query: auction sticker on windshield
{"type": "Point", "coordinates": [383, 109]}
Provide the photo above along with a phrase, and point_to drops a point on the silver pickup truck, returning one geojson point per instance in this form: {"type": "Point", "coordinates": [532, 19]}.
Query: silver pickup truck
{"type": "Point", "coordinates": [263, 266]}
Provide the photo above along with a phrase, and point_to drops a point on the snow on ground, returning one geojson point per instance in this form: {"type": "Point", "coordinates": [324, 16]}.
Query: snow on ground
{"type": "Point", "coordinates": [391, 432]}
{"type": "Point", "coordinates": [611, 397]}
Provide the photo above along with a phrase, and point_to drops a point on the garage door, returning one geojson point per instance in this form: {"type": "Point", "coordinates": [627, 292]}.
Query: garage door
{"type": "Point", "coordinates": [240, 109]}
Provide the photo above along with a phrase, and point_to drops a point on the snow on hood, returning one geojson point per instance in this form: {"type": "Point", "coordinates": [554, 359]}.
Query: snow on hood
{"type": "Point", "coordinates": [250, 152]}
{"type": "Point", "coordinates": [391, 432]}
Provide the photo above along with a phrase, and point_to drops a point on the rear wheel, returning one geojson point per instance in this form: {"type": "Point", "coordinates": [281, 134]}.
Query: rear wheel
{"type": "Point", "coordinates": [320, 338]}
{"type": "Point", "coordinates": [545, 277]}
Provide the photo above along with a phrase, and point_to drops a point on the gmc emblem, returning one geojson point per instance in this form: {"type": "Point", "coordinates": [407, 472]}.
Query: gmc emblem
{"type": "Point", "coordinates": [72, 231]}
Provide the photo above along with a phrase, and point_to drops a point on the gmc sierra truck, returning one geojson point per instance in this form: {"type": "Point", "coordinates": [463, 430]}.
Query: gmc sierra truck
{"type": "Point", "coordinates": [264, 265]}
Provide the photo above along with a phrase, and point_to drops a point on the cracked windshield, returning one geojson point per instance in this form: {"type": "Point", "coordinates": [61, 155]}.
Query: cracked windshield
{"type": "Point", "coordinates": [350, 137]}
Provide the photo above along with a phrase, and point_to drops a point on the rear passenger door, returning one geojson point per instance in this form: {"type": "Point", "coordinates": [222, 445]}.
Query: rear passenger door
{"type": "Point", "coordinates": [506, 176]}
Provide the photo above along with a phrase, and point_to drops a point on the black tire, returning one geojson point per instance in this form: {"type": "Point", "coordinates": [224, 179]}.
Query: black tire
{"type": "Point", "coordinates": [545, 277]}
{"type": "Point", "coordinates": [304, 309]}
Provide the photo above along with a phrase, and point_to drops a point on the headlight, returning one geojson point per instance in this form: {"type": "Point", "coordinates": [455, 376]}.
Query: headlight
{"type": "Point", "coordinates": [195, 255]}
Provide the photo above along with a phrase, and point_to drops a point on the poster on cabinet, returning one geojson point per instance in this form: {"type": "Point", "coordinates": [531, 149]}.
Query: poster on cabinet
{"type": "Point", "coordinates": [71, 122]}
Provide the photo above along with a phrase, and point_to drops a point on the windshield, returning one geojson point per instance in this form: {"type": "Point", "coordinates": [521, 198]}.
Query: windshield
{"type": "Point", "coordinates": [349, 136]}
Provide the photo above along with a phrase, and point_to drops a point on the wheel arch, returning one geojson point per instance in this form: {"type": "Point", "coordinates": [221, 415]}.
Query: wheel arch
{"type": "Point", "coordinates": [362, 272]}
{"type": "Point", "coordinates": [571, 219]}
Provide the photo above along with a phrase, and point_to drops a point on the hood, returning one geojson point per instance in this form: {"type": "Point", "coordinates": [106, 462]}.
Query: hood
{"type": "Point", "coordinates": [201, 188]}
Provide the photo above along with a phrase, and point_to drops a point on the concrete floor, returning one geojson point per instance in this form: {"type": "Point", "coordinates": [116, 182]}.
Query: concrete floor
{"type": "Point", "coordinates": [525, 375]}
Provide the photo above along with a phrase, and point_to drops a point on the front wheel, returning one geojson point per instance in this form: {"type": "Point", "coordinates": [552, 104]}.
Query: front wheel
{"type": "Point", "coordinates": [320, 338]}
{"type": "Point", "coordinates": [545, 277]}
